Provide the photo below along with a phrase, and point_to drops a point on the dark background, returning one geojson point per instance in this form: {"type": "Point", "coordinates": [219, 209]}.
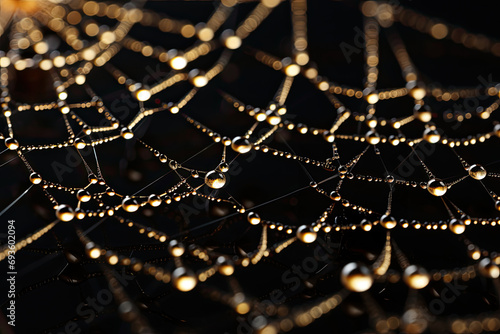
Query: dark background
{"type": "Point", "coordinates": [128, 167]}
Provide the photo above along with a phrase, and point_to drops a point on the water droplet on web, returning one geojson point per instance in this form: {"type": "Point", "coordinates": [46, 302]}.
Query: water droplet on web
{"type": "Point", "coordinates": [215, 179]}
{"type": "Point", "coordinates": [35, 178]}
{"type": "Point", "coordinates": [456, 226]}
{"type": "Point", "coordinates": [356, 277]}
{"type": "Point", "coordinates": [11, 143]}
{"type": "Point", "coordinates": [477, 172]}
{"type": "Point", "coordinates": [253, 218]}
{"type": "Point", "coordinates": [154, 200]}
{"type": "Point", "coordinates": [388, 222]}
{"type": "Point", "coordinates": [223, 167]}
{"type": "Point", "coordinates": [436, 187]}
{"type": "Point", "coordinates": [83, 195]}
{"type": "Point", "coordinates": [130, 204]}
{"type": "Point", "coordinates": [306, 234]}
{"type": "Point", "coordinates": [65, 213]}
{"type": "Point", "coordinates": [241, 145]}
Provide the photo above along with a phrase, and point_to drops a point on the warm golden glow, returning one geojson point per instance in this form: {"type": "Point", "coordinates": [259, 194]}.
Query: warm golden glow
{"type": "Point", "coordinates": [302, 58]}
{"type": "Point", "coordinates": [253, 218]}
{"type": "Point", "coordinates": [143, 94]}
{"type": "Point", "coordinates": [388, 221]}
{"type": "Point", "coordinates": [65, 109]}
{"type": "Point", "coordinates": [431, 135]}
{"type": "Point", "coordinates": [366, 225]}
{"type": "Point", "coordinates": [188, 31]}
{"type": "Point", "coordinates": [311, 73]}
{"type": "Point", "coordinates": [306, 234]}
{"type": "Point", "coordinates": [416, 277]}
{"type": "Point", "coordinates": [215, 179]}
{"type": "Point", "coordinates": [292, 70]}
{"type": "Point", "coordinates": [41, 47]}
{"type": "Point", "coordinates": [176, 248]}
{"type": "Point", "coordinates": [489, 268]}
{"type": "Point", "coordinates": [65, 213]}
{"type": "Point", "coordinates": [356, 277]}
{"type": "Point", "coordinates": [83, 195]}
{"type": "Point", "coordinates": [372, 98]}
{"type": "Point", "coordinates": [11, 143]}
{"type": "Point", "coordinates": [108, 37]}
{"type": "Point", "coordinates": [113, 259]}
{"type": "Point", "coordinates": [422, 114]}
{"type": "Point", "coordinates": [477, 172]}
{"type": "Point", "coordinates": [372, 137]}
{"type": "Point", "coordinates": [130, 204]}
{"type": "Point", "coordinates": [59, 61]}
{"type": "Point", "coordinates": [242, 308]}
{"type": "Point", "coordinates": [35, 178]}
{"type": "Point", "coordinates": [71, 40]}
{"type": "Point", "coordinates": [184, 279]}
{"type": "Point", "coordinates": [80, 144]}
{"type": "Point", "coordinates": [198, 78]}
{"type": "Point", "coordinates": [4, 61]}
{"type": "Point", "coordinates": [456, 226]}
{"type": "Point", "coordinates": [439, 31]}
{"type": "Point", "coordinates": [230, 40]}
{"type": "Point", "coordinates": [270, 3]}
{"type": "Point", "coordinates": [126, 133]}
{"type": "Point", "coordinates": [80, 79]}
{"type": "Point", "coordinates": [418, 93]}
{"type": "Point", "coordinates": [154, 200]}
{"type": "Point", "coordinates": [241, 145]}
{"type": "Point", "coordinates": [436, 187]}
{"type": "Point", "coordinates": [27, 6]}
{"type": "Point", "coordinates": [178, 62]}
{"type": "Point", "coordinates": [205, 33]}
{"type": "Point", "coordinates": [94, 253]}
{"type": "Point", "coordinates": [62, 96]}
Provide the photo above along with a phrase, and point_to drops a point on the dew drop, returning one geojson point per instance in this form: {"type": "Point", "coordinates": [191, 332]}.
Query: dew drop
{"type": "Point", "coordinates": [306, 234]}
{"type": "Point", "coordinates": [431, 135]}
{"type": "Point", "coordinates": [366, 225]}
{"type": "Point", "coordinates": [335, 196]}
{"type": "Point", "coordinates": [184, 279]}
{"type": "Point", "coordinates": [92, 178]}
{"type": "Point", "coordinates": [477, 172]}
{"type": "Point", "coordinates": [241, 145]}
{"type": "Point", "coordinates": [416, 277]}
{"type": "Point", "coordinates": [253, 218]}
{"type": "Point", "coordinates": [215, 179]}
{"type": "Point", "coordinates": [388, 222]}
{"type": "Point", "coordinates": [223, 167]}
{"type": "Point", "coordinates": [83, 195]}
{"type": "Point", "coordinates": [372, 137]}
{"type": "Point", "coordinates": [436, 187]}
{"type": "Point", "coordinates": [126, 133]}
{"type": "Point", "coordinates": [65, 213]}
{"type": "Point", "coordinates": [11, 143]}
{"type": "Point", "coordinates": [456, 226]}
{"type": "Point", "coordinates": [154, 200]}
{"type": "Point", "coordinates": [422, 113]}
{"type": "Point", "coordinates": [356, 277]}
{"type": "Point", "coordinates": [35, 178]}
{"type": "Point", "coordinates": [488, 269]}
{"type": "Point", "coordinates": [176, 248]}
{"type": "Point", "coordinates": [129, 204]}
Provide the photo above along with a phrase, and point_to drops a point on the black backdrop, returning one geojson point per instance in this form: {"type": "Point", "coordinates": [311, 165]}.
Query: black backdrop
{"type": "Point", "coordinates": [129, 167]}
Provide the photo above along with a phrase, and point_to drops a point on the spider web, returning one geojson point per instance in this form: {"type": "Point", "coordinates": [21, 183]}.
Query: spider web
{"type": "Point", "coordinates": [147, 154]}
